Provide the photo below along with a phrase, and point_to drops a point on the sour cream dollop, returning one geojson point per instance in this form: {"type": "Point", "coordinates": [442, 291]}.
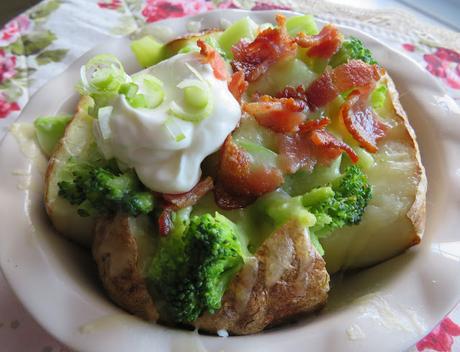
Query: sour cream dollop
{"type": "Point", "coordinates": [139, 138]}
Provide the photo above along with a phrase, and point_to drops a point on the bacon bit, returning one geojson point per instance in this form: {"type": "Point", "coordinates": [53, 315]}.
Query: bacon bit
{"type": "Point", "coordinates": [324, 44]}
{"type": "Point", "coordinates": [354, 74]}
{"type": "Point", "coordinates": [295, 152]}
{"type": "Point", "coordinates": [281, 115]}
{"type": "Point", "coordinates": [271, 45]}
{"type": "Point", "coordinates": [295, 93]}
{"type": "Point", "coordinates": [182, 200]}
{"type": "Point", "coordinates": [310, 145]}
{"type": "Point", "coordinates": [331, 147]}
{"type": "Point", "coordinates": [238, 85]}
{"type": "Point", "coordinates": [227, 201]}
{"type": "Point", "coordinates": [213, 58]}
{"type": "Point", "coordinates": [311, 125]}
{"type": "Point", "coordinates": [239, 178]}
{"type": "Point", "coordinates": [361, 122]}
{"type": "Point", "coordinates": [165, 223]}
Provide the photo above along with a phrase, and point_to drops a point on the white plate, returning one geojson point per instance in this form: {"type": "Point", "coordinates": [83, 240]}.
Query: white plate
{"type": "Point", "coordinates": [385, 308]}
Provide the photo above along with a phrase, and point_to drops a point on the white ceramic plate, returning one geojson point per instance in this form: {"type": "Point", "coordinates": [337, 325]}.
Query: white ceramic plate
{"type": "Point", "coordinates": [385, 308]}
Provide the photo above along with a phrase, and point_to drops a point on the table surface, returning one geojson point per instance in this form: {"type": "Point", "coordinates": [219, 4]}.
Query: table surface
{"type": "Point", "coordinates": [23, 71]}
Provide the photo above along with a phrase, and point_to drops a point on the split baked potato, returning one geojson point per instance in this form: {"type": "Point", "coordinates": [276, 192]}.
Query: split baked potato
{"type": "Point", "coordinates": [285, 275]}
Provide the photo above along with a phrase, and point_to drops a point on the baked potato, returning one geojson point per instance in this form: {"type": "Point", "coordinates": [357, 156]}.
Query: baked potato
{"type": "Point", "coordinates": [78, 143]}
{"type": "Point", "coordinates": [285, 274]}
{"type": "Point", "coordinates": [395, 216]}
{"type": "Point", "coordinates": [285, 278]}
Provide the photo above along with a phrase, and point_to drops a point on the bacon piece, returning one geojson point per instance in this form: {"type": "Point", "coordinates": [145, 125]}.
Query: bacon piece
{"type": "Point", "coordinates": [228, 201]}
{"type": "Point", "coordinates": [361, 122]}
{"type": "Point", "coordinates": [311, 125]}
{"type": "Point", "coordinates": [295, 93]}
{"type": "Point", "coordinates": [238, 85]}
{"type": "Point", "coordinates": [213, 58]}
{"type": "Point", "coordinates": [295, 152]}
{"type": "Point", "coordinates": [330, 147]}
{"type": "Point", "coordinates": [282, 115]}
{"type": "Point", "coordinates": [324, 44]}
{"type": "Point", "coordinates": [354, 74]}
{"type": "Point", "coordinates": [312, 144]}
{"type": "Point", "coordinates": [182, 200]}
{"type": "Point", "coordinates": [239, 176]}
{"type": "Point", "coordinates": [165, 223]}
{"type": "Point", "coordinates": [271, 45]}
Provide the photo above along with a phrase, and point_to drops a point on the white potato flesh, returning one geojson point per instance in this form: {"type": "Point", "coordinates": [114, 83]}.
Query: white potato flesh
{"type": "Point", "coordinates": [390, 222]}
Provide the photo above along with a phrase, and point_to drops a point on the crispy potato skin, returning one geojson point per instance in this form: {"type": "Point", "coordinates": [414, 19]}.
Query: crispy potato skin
{"type": "Point", "coordinates": [417, 212]}
{"type": "Point", "coordinates": [256, 297]}
{"type": "Point", "coordinates": [77, 137]}
{"type": "Point", "coordinates": [116, 254]}
{"type": "Point", "coordinates": [301, 286]}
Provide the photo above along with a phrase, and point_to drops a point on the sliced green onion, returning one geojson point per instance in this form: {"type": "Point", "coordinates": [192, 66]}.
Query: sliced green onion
{"type": "Point", "coordinates": [101, 78]}
{"type": "Point", "coordinates": [103, 117]}
{"type": "Point", "coordinates": [196, 93]}
{"type": "Point", "coordinates": [129, 89]}
{"type": "Point", "coordinates": [192, 115]}
{"type": "Point", "coordinates": [153, 92]}
{"type": "Point", "coordinates": [174, 129]}
{"type": "Point", "coordinates": [198, 104]}
{"type": "Point", "coordinates": [148, 51]}
{"type": "Point", "coordinates": [195, 72]}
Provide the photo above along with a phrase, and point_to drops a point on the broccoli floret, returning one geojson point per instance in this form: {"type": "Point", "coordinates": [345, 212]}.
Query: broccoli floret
{"type": "Point", "coordinates": [352, 49]}
{"type": "Point", "coordinates": [105, 190]}
{"type": "Point", "coordinates": [191, 270]}
{"type": "Point", "coordinates": [341, 204]}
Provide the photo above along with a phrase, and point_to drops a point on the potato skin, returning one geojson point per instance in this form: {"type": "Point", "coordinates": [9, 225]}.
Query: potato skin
{"type": "Point", "coordinates": [300, 287]}
{"type": "Point", "coordinates": [76, 140]}
{"type": "Point", "coordinates": [117, 257]}
{"type": "Point", "coordinates": [255, 298]}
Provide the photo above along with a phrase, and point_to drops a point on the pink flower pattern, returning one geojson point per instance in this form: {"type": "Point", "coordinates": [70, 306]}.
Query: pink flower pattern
{"type": "Point", "coordinates": [7, 107]}
{"type": "Point", "coordinates": [445, 64]}
{"type": "Point", "coordinates": [441, 338]}
{"type": "Point", "coordinates": [14, 28]}
{"type": "Point", "coordinates": [7, 66]}
{"type": "Point", "coordinates": [156, 10]}
{"type": "Point", "coordinates": [409, 47]}
{"type": "Point", "coordinates": [110, 5]}
{"type": "Point", "coordinates": [262, 5]}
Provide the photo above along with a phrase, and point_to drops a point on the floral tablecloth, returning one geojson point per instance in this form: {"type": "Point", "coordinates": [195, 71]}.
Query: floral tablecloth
{"type": "Point", "coordinates": [44, 41]}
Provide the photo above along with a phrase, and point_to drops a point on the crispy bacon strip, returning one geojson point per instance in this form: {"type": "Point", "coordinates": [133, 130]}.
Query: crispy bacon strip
{"type": "Point", "coordinates": [228, 201]}
{"type": "Point", "coordinates": [312, 125]}
{"type": "Point", "coordinates": [297, 93]}
{"type": "Point", "coordinates": [281, 115]}
{"type": "Point", "coordinates": [237, 85]}
{"type": "Point", "coordinates": [189, 198]}
{"type": "Point", "coordinates": [330, 147]}
{"type": "Point", "coordinates": [271, 45]}
{"type": "Point", "coordinates": [312, 144]}
{"type": "Point", "coordinates": [213, 58]}
{"type": "Point", "coordinates": [361, 121]}
{"type": "Point", "coordinates": [324, 44]}
{"type": "Point", "coordinates": [173, 202]}
{"type": "Point", "coordinates": [165, 223]}
{"type": "Point", "coordinates": [354, 74]}
{"type": "Point", "coordinates": [240, 177]}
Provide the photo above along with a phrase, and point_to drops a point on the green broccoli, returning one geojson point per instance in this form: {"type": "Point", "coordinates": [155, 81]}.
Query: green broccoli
{"type": "Point", "coordinates": [352, 49]}
{"type": "Point", "coordinates": [105, 190]}
{"type": "Point", "coordinates": [191, 270]}
{"type": "Point", "coordinates": [341, 204]}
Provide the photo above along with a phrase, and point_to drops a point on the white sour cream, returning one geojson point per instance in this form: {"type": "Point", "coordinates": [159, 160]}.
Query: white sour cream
{"type": "Point", "coordinates": [139, 138]}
